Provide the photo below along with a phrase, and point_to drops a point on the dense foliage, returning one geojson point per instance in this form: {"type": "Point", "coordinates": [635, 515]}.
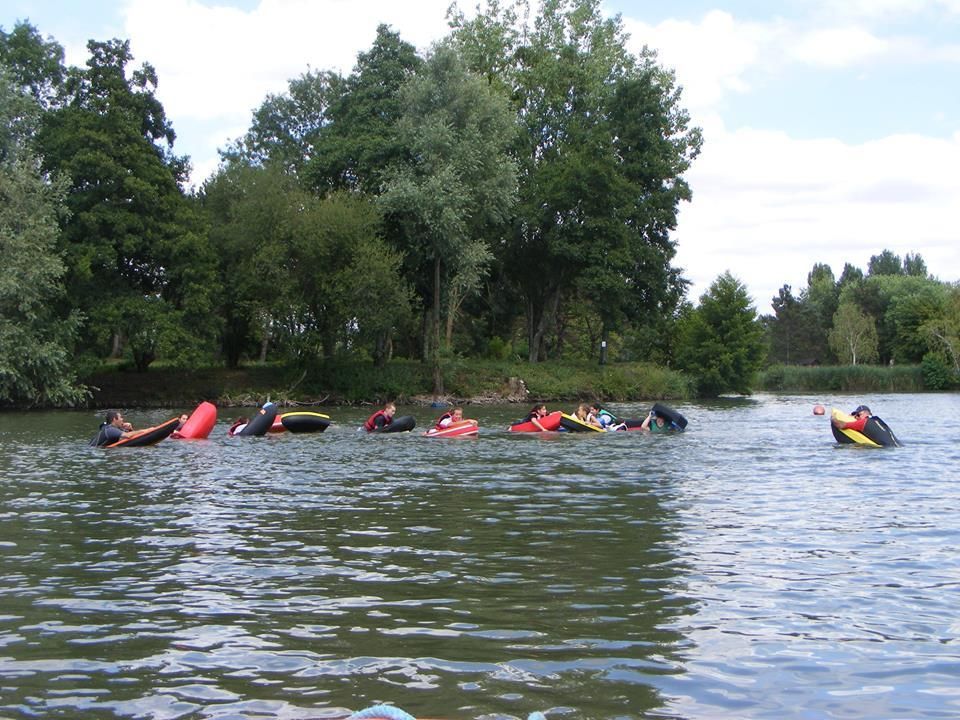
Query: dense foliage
{"type": "Point", "coordinates": [35, 337]}
{"type": "Point", "coordinates": [507, 194]}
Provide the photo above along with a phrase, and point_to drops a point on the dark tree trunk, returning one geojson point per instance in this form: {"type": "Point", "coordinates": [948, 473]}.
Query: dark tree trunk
{"type": "Point", "coordinates": [435, 332]}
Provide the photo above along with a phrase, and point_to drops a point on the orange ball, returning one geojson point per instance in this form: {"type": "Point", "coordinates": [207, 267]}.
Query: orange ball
{"type": "Point", "coordinates": [818, 410]}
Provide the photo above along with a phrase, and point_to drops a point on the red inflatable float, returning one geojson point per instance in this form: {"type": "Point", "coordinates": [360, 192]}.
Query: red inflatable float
{"type": "Point", "coordinates": [199, 424]}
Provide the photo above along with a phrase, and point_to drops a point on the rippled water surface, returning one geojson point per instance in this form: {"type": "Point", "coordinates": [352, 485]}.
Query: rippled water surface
{"type": "Point", "coordinates": [748, 568]}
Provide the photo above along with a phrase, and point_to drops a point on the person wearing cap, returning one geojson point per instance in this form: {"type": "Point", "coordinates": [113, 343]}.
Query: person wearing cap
{"type": "Point", "coordinates": [860, 415]}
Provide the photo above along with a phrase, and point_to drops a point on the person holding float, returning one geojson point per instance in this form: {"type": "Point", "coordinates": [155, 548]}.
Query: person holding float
{"type": "Point", "coordinates": [451, 416]}
{"type": "Point", "coordinates": [383, 421]}
{"type": "Point", "coordinates": [585, 414]}
{"type": "Point", "coordinates": [662, 418]}
{"type": "Point", "coordinates": [239, 424]}
{"type": "Point", "coordinates": [381, 418]}
{"type": "Point", "coordinates": [198, 424]}
{"type": "Point", "coordinates": [113, 429]}
{"type": "Point", "coordinates": [534, 417]}
{"type": "Point", "coordinates": [654, 423]}
{"type": "Point", "coordinates": [116, 432]}
{"type": "Point", "coordinates": [861, 427]}
{"type": "Point", "coordinates": [452, 424]}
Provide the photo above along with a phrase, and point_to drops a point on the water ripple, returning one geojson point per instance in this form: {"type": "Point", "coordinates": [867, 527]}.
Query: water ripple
{"type": "Point", "coordinates": [747, 568]}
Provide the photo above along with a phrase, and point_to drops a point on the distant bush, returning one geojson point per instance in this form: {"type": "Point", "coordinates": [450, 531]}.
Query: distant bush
{"type": "Point", "coordinates": [497, 349]}
{"type": "Point", "coordinates": [937, 374]}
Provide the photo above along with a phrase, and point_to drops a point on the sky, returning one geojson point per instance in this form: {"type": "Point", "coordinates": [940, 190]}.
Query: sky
{"type": "Point", "coordinates": [831, 127]}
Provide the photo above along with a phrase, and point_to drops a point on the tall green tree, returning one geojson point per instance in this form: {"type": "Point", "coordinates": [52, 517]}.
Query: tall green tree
{"type": "Point", "coordinates": [129, 225]}
{"type": "Point", "coordinates": [886, 263]}
{"type": "Point", "coordinates": [942, 334]}
{"type": "Point", "coordinates": [458, 183]}
{"type": "Point", "coordinates": [821, 299]}
{"type": "Point", "coordinates": [793, 330]}
{"type": "Point", "coordinates": [601, 158]}
{"type": "Point", "coordinates": [359, 141]}
{"type": "Point", "coordinates": [721, 341]}
{"type": "Point", "coordinates": [853, 336]}
{"type": "Point", "coordinates": [914, 265]}
{"type": "Point", "coordinates": [914, 301]}
{"type": "Point", "coordinates": [286, 129]}
{"type": "Point", "coordinates": [34, 65]}
{"type": "Point", "coordinates": [306, 274]}
{"type": "Point", "coordinates": [36, 341]}
{"type": "Point", "coordinates": [850, 275]}
{"type": "Point", "coordinates": [900, 305]}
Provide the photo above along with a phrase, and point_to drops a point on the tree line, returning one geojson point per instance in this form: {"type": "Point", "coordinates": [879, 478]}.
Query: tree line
{"type": "Point", "coordinates": [894, 313]}
{"type": "Point", "coordinates": [509, 192]}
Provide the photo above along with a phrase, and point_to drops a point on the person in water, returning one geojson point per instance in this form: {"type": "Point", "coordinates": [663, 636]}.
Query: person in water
{"type": "Point", "coordinates": [448, 418]}
{"type": "Point", "coordinates": [113, 428]}
{"type": "Point", "coordinates": [654, 423]}
{"type": "Point", "coordinates": [859, 422]}
{"type": "Point", "coordinates": [585, 415]}
{"type": "Point", "coordinates": [536, 412]}
{"type": "Point", "coordinates": [605, 419]}
{"type": "Point", "coordinates": [381, 418]}
{"type": "Point", "coordinates": [239, 424]}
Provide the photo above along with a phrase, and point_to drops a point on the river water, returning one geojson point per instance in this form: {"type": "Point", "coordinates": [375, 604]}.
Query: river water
{"type": "Point", "coordinates": [747, 568]}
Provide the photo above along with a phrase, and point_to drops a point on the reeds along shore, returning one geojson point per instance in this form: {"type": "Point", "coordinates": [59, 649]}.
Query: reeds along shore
{"type": "Point", "coordinates": [843, 378]}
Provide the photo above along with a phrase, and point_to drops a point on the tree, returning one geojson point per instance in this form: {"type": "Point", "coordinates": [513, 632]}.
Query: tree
{"type": "Point", "coordinates": [35, 340]}
{"type": "Point", "coordinates": [359, 142]}
{"type": "Point", "coordinates": [33, 64]}
{"type": "Point", "coordinates": [820, 300]}
{"type": "Point", "coordinates": [914, 265]}
{"type": "Point", "coordinates": [721, 341]}
{"type": "Point", "coordinates": [601, 159]}
{"type": "Point", "coordinates": [792, 330]}
{"type": "Point", "coordinates": [286, 129]}
{"type": "Point", "coordinates": [359, 292]}
{"type": "Point", "coordinates": [914, 302]}
{"type": "Point", "coordinates": [304, 273]}
{"type": "Point", "coordinates": [853, 336]}
{"type": "Point", "coordinates": [850, 274]}
{"type": "Point", "coordinates": [942, 334]}
{"type": "Point", "coordinates": [457, 182]}
{"type": "Point", "coordinates": [886, 263]}
{"type": "Point", "coordinates": [130, 229]}
{"type": "Point", "coordinates": [900, 305]}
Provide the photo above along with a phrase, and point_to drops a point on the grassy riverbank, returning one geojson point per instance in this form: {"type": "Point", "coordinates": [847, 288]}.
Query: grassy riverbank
{"type": "Point", "coordinates": [402, 381]}
{"type": "Point", "coordinates": [473, 381]}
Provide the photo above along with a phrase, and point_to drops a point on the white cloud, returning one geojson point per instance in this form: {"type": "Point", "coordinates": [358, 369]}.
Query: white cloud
{"type": "Point", "coordinates": [711, 57]}
{"type": "Point", "coordinates": [216, 61]}
{"type": "Point", "coordinates": [767, 207]}
{"type": "Point", "coordinates": [838, 47]}
{"type": "Point", "coordinates": [217, 64]}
